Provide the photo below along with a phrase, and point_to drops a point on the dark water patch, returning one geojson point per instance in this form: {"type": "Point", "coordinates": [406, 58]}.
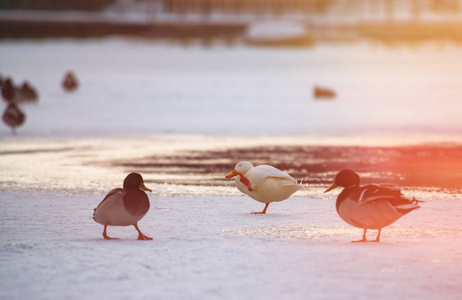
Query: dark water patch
{"type": "Point", "coordinates": [39, 151]}
{"type": "Point", "coordinates": [424, 166]}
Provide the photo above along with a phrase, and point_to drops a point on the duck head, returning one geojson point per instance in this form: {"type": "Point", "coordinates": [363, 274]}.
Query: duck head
{"type": "Point", "coordinates": [135, 181]}
{"type": "Point", "coordinates": [241, 168]}
{"type": "Point", "coordinates": [345, 178]}
{"type": "Point", "coordinates": [8, 89]}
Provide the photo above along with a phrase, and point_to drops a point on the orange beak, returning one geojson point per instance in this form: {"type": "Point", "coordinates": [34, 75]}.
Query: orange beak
{"type": "Point", "coordinates": [333, 186]}
{"type": "Point", "coordinates": [144, 188]}
{"type": "Point", "coordinates": [232, 174]}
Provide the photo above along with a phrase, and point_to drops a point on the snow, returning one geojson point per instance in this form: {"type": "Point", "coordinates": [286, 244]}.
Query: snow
{"type": "Point", "coordinates": [212, 248]}
{"type": "Point", "coordinates": [206, 244]}
{"type": "Point", "coordinates": [139, 99]}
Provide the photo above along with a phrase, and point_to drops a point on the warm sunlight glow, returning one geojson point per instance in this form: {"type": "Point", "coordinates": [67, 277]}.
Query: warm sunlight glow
{"type": "Point", "coordinates": [231, 149]}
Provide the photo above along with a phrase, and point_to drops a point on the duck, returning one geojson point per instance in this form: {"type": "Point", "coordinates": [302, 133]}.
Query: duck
{"type": "Point", "coordinates": [13, 117]}
{"type": "Point", "coordinates": [263, 183]}
{"type": "Point", "coordinates": [18, 94]}
{"type": "Point", "coordinates": [28, 92]}
{"type": "Point", "coordinates": [8, 90]}
{"type": "Point", "coordinates": [124, 206]}
{"type": "Point", "coordinates": [323, 93]}
{"type": "Point", "coordinates": [371, 206]}
{"type": "Point", "coordinates": [70, 82]}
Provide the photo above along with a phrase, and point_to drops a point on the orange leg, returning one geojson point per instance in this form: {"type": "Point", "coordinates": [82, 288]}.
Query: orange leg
{"type": "Point", "coordinates": [364, 237]}
{"type": "Point", "coordinates": [141, 236]}
{"type": "Point", "coordinates": [261, 212]}
{"type": "Point", "coordinates": [377, 239]}
{"type": "Point", "coordinates": [106, 237]}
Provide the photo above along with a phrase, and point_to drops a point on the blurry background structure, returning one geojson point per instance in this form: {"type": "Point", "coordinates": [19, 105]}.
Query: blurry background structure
{"type": "Point", "coordinates": [298, 22]}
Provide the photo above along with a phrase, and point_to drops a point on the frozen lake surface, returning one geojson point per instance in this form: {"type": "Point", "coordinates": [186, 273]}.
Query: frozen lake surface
{"type": "Point", "coordinates": [212, 248]}
{"type": "Point", "coordinates": [145, 105]}
{"type": "Point", "coordinates": [206, 244]}
{"type": "Point", "coordinates": [134, 86]}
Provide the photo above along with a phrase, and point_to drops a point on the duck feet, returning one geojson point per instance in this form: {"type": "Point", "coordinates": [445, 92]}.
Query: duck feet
{"type": "Point", "coordinates": [109, 238]}
{"type": "Point", "coordinates": [260, 212]}
{"type": "Point", "coordinates": [361, 241]}
{"type": "Point", "coordinates": [105, 236]}
{"type": "Point", "coordinates": [141, 236]}
{"type": "Point", "coordinates": [364, 240]}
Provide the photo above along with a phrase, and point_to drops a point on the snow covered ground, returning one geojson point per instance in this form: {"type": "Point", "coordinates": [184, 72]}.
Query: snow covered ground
{"type": "Point", "coordinates": [134, 94]}
{"type": "Point", "coordinates": [206, 244]}
{"type": "Point", "coordinates": [212, 248]}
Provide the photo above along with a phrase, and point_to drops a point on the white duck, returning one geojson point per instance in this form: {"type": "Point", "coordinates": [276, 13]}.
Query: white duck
{"type": "Point", "coordinates": [263, 183]}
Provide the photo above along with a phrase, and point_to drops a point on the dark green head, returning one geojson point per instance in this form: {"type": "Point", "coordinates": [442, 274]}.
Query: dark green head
{"type": "Point", "coordinates": [345, 178]}
{"type": "Point", "coordinates": [135, 181]}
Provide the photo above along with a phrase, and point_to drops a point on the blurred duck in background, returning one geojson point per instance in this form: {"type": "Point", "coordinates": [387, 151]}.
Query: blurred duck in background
{"type": "Point", "coordinates": [70, 82]}
{"type": "Point", "coordinates": [8, 90]}
{"type": "Point", "coordinates": [323, 93]}
{"type": "Point", "coordinates": [28, 92]}
{"type": "Point", "coordinates": [13, 117]}
{"type": "Point", "coordinates": [24, 94]}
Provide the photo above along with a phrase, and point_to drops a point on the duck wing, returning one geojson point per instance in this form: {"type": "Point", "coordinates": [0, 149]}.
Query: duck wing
{"type": "Point", "coordinates": [111, 193]}
{"type": "Point", "coordinates": [259, 174]}
{"type": "Point", "coordinates": [393, 196]}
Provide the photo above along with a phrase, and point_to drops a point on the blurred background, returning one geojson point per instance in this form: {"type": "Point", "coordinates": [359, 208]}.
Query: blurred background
{"type": "Point", "coordinates": [306, 21]}
{"type": "Point", "coordinates": [235, 66]}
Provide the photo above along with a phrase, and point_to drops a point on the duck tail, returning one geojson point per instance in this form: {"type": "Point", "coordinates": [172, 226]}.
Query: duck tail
{"type": "Point", "coordinates": [292, 187]}
{"type": "Point", "coordinates": [415, 201]}
{"type": "Point", "coordinates": [406, 208]}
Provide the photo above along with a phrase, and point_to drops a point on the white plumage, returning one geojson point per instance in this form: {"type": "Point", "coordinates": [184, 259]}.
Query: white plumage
{"type": "Point", "coordinates": [264, 183]}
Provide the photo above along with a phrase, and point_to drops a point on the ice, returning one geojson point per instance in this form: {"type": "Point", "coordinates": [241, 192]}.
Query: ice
{"type": "Point", "coordinates": [211, 247]}
{"type": "Point", "coordinates": [96, 164]}
{"type": "Point", "coordinates": [144, 87]}
{"type": "Point", "coordinates": [206, 244]}
{"type": "Point", "coordinates": [139, 99]}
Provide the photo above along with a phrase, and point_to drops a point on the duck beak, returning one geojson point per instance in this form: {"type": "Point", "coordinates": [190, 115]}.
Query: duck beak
{"type": "Point", "coordinates": [232, 174]}
{"type": "Point", "coordinates": [144, 188]}
{"type": "Point", "coordinates": [333, 186]}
